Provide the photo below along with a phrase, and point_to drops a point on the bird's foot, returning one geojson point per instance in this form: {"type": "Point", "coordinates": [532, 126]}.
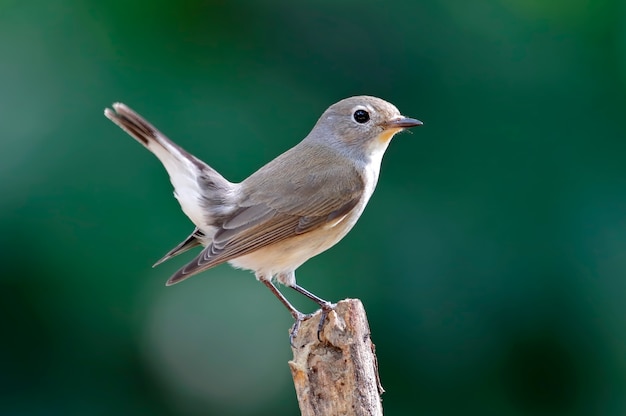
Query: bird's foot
{"type": "Point", "coordinates": [301, 317]}
{"type": "Point", "coordinates": [326, 308]}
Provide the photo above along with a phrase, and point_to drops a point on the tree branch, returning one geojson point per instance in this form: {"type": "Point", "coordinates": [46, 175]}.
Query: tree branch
{"type": "Point", "coordinates": [339, 375]}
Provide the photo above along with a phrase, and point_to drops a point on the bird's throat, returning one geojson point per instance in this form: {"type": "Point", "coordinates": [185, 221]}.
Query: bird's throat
{"type": "Point", "coordinates": [386, 135]}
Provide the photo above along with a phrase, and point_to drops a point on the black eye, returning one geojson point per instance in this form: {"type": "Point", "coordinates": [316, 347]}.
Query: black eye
{"type": "Point", "coordinates": [361, 116]}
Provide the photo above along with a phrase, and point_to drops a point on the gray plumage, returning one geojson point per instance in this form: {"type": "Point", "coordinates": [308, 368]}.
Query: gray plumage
{"type": "Point", "coordinates": [298, 205]}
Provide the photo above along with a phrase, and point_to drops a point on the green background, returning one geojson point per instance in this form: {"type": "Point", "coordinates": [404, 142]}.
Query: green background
{"type": "Point", "coordinates": [491, 259]}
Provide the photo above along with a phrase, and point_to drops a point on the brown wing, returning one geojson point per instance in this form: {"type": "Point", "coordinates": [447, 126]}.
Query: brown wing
{"type": "Point", "coordinates": [319, 192]}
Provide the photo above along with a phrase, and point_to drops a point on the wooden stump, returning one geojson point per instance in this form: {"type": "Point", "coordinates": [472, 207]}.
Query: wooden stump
{"type": "Point", "coordinates": [339, 374]}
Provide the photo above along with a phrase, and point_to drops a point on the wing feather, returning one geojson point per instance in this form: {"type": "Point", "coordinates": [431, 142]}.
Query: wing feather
{"type": "Point", "coordinates": [290, 207]}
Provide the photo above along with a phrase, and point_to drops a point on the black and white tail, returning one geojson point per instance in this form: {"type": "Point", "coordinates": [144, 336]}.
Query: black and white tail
{"type": "Point", "coordinates": [204, 195]}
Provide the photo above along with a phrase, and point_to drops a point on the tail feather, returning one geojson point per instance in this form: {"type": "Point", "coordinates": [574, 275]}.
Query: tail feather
{"type": "Point", "coordinates": [150, 137]}
{"type": "Point", "coordinates": [196, 184]}
{"type": "Point", "coordinates": [194, 240]}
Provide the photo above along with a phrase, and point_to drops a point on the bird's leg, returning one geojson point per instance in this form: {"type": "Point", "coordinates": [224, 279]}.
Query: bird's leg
{"type": "Point", "coordinates": [297, 315]}
{"type": "Point", "coordinates": [324, 304]}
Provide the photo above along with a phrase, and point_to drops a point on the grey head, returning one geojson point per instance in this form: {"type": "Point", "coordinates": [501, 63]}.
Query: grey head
{"type": "Point", "coordinates": [360, 125]}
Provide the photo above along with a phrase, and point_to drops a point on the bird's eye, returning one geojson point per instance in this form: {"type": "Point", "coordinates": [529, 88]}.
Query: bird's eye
{"type": "Point", "coordinates": [361, 116]}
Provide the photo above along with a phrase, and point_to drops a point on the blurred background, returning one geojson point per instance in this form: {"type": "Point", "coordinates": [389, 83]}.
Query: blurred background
{"type": "Point", "coordinates": [491, 260]}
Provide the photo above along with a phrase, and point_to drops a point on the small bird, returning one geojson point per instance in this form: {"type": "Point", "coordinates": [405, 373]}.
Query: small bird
{"type": "Point", "coordinates": [293, 208]}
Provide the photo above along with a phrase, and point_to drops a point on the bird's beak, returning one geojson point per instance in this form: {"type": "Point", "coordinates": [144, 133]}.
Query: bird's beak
{"type": "Point", "coordinates": [403, 123]}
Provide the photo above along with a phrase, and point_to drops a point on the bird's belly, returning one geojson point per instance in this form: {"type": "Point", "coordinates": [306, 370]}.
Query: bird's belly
{"type": "Point", "coordinates": [287, 255]}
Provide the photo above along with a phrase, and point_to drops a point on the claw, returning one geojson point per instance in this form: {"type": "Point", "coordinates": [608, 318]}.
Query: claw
{"type": "Point", "coordinates": [295, 328]}
{"type": "Point", "coordinates": [299, 318]}
{"type": "Point", "coordinates": [326, 308]}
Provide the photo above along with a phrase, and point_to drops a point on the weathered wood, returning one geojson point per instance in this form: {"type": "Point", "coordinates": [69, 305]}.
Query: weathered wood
{"type": "Point", "coordinates": [339, 374]}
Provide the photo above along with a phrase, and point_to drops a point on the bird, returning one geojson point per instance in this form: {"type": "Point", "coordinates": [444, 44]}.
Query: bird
{"type": "Point", "coordinates": [296, 206]}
